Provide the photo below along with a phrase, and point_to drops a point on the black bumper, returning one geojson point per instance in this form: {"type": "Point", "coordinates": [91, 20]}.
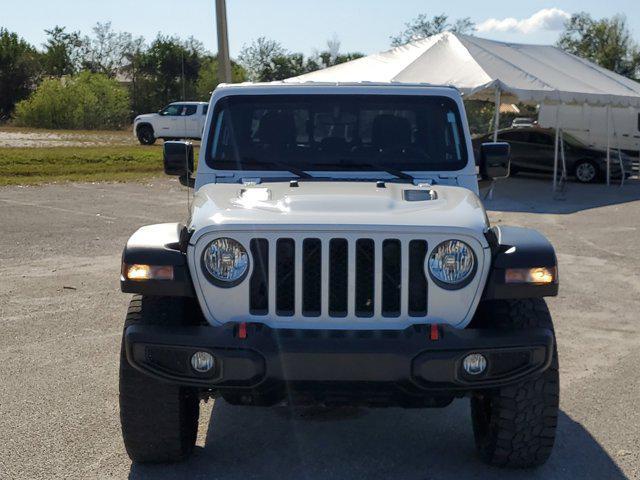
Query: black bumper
{"type": "Point", "coordinates": [407, 357]}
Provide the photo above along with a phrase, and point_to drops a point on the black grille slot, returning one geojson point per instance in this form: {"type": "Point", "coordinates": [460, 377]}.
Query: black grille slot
{"type": "Point", "coordinates": [391, 278]}
{"type": "Point", "coordinates": [365, 274]}
{"type": "Point", "coordinates": [285, 277]}
{"type": "Point", "coordinates": [338, 277]}
{"type": "Point", "coordinates": [259, 283]}
{"type": "Point", "coordinates": [311, 277]}
{"type": "Point", "coordinates": [417, 280]}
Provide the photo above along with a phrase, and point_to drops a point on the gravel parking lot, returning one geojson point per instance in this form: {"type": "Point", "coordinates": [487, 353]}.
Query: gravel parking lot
{"type": "Point", "coordinates": [61, 315]}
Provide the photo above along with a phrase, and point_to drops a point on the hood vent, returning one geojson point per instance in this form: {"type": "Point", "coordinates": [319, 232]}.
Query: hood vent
{"type": "Point", "coordinates": [419, 195]}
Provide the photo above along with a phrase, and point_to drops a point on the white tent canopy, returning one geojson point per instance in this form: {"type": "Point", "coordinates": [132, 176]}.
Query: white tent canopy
{"type": "Point", "coordinates": [479, 67]}
{"type": "Point", "coordinates": [488, 70]}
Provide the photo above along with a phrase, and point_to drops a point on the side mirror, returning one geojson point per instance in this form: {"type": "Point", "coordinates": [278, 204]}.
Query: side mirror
{"type": "Point", "coordinates": [495, 160]}
{"type": "Point", "coordinates": [178, 158]}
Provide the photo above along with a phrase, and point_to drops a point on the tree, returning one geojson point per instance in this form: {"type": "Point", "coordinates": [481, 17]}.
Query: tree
{"type": "Point", "coordinates": [19, 69]}
{"type": "Point", "coordinates": [606, 42]}
{"type": "Point", "coordinates": [208, 77]}
{"type": "Point", "coordinates": [108, 51]}
{"type": "Point", "coordinates": [168, 70]}
{"type": "Point", "coordinates": [258, 58]}
{"type": "Point", "coordinates": [266, 60]}
{"type": "Point", "coordinates": [422, 27]}
{"type": "Point", "coordinates": [332, 56]}
{"type": "Point", "coordinates": [62, 52]}
{"type": "Point", "coordinates": [84, 101]}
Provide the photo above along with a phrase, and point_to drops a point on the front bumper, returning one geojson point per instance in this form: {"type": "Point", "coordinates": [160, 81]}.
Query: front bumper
{"type": "Point", "coordinates": [408, 358]}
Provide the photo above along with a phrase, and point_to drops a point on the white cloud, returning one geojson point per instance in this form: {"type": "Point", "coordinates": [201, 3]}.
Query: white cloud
{"type": "Point", "coordinates": [551, 19]}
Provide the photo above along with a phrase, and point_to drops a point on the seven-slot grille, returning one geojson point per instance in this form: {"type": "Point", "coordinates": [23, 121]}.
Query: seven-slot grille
{"type": "Point", "coordinates": [338, 277]}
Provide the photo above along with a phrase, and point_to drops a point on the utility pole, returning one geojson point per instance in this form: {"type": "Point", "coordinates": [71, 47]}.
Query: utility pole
{"type": "Point", "coordinates": [224, 63]}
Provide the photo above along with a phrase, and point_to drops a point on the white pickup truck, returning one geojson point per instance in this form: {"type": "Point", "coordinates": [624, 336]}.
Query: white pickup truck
{"type": "Point", "coordinates": [175, 121]}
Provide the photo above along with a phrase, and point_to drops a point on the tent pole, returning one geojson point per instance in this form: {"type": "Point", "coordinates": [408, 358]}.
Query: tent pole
{"type": "Point", "coordinates": [608, 145]}
{"type": "Point", "coordinates": [555, 159]}
{"type": "Point", "coordinates": [496, 122]}
{"type": "Point", "coordinates": [555, 150]}
{"type": "Point", "coordinates": [615, 134]}
{"type": "Point", "coordinates": [563, 178]}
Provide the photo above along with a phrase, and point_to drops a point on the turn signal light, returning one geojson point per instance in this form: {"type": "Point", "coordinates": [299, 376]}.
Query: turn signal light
{"type": "Point", "coordinates": [538, 275]}
{"type": "Point", "coordinates": [140, 272]}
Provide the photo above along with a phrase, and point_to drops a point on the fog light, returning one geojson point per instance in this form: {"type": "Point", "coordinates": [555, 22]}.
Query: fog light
{"type": "Point", "coordinates": [474, 364]}
{"type": "Point", "coordinates": [202, 362]}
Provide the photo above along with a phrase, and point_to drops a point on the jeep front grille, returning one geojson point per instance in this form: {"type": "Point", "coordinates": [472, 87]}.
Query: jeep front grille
{"type": "Point", "coordinates": [337, 277]}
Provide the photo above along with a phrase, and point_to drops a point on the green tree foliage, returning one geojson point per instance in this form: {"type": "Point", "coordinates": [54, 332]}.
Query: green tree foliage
{"type": "Point", "coordinates": [422, 26]}
{"type": "Point", "coordinates": [607, 42]}
{"type": "Point", "coordinates": [19, 69]}
{"type": "Point", "coordinates": [208, 77]}
{"type": "Point", "coordinates": [84, 101]}
{"type": "Point", "coordinates": [168, 70]}
{"type": "Point", "coordinates": [266, 60]}
{"type": "Point", "coordinates": [108, 51]}
{"type": "Point", "coordinates": [331, 56]}
{"type": "Point", "coordinates": [63, 52]}
{"type": "Point", "coordinates": [259, 57]}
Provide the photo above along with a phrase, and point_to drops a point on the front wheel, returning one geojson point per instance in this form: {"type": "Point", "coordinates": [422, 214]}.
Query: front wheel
{"type": "Point", "coordinates": [159, 420]}
{"type": "Point", "coordinates": [515, 426]}
{"type": "Point", "coordinates": [146, 135]}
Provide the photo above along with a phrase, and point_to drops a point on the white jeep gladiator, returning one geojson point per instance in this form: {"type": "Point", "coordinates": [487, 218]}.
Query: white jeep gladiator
{"type": "Point", "coordinates": [337, 253]}
{"type": "Point", "coordinates": [175, 121]}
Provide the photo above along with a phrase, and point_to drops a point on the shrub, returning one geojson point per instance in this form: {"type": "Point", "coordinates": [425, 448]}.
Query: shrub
{"type": "Point", "coordinates": [86, 101]}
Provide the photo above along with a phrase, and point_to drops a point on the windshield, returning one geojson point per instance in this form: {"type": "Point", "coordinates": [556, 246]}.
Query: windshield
{"type": "Point", "coordinates": [336, 132]}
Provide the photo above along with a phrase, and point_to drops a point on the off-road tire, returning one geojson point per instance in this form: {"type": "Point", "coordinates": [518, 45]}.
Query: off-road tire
{"type": "Point", "coordinates": [159, 420]}
{"type": "Point", "coordinates": [515, 426]}
{"type": "Point", "coordinates": [145, 134]}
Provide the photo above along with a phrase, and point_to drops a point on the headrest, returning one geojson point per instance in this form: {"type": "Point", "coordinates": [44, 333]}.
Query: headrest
{"type": "Point", "coordinates": [390, 131]}
{"type": "Point", "coordinates": [277, 129]}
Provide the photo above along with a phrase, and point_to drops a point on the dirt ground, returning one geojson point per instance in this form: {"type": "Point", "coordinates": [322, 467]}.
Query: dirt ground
{"type": "Point", "coordinates": [61, 315]}
{"type": "Point", "coordinates": [36, 138]}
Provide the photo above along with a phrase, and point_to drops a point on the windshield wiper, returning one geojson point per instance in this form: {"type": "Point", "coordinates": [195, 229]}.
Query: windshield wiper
{"type": "Point", "coordinates": [371, 167]}
{"type": "Point", "coordinates": [283, 165]}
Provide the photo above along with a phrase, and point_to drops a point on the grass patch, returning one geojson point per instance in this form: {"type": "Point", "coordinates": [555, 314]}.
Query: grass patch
{"type": "Point", "coordinates": [28, 166]}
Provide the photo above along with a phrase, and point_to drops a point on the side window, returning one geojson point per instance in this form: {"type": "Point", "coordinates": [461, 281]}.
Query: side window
{"type": "Point", "coordinates": [541, 139]}
{"type": "Point", "coordinates": [514, 136]}
{"type": "Point", "coordinates": [205, 109]}
{"type": "Point", "coordinates": [190, 110]}
{"type": "Point", "coordinates": [173, 110]}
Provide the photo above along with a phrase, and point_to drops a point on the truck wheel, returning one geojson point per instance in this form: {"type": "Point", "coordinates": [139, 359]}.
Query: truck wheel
{"type": "Point", "coordinates": [146, 135]}
{"type": "Point", "coordinates": [159, 420]}
{"type": "Point", "coordinates": [515, 426]}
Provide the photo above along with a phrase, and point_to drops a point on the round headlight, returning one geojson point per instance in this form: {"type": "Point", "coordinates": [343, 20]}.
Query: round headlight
{"type": "Point", "coordinates": [226, 261]}
{"type": "Point", "coordinates": [452, 264]}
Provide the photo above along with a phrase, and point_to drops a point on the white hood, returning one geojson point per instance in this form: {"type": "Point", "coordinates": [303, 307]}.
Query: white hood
{"type": "Point", "coordinates": [146, 116]}
{"type": "Point", "coordinates": [226, 205]}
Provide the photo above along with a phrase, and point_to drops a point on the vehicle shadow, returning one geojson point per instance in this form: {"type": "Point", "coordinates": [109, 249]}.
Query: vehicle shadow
{"type": "Point", "coordinates": [345, 443]}
{"type": "Point", "coordinates": [534, 194]}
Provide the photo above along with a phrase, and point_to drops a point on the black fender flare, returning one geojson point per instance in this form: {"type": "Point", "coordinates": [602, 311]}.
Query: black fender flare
{"type": "Point", "coordinates": [158, 245]}
{"type": "Point", "coordinates": [518, 247]}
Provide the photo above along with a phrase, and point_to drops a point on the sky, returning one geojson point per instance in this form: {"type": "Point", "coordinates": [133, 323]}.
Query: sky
{"type": "Point", "coordinates": [305, 25]}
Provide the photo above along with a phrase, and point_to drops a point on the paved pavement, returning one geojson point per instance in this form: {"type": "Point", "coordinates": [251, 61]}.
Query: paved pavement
{"type": "Point", "coordinates": [61, 314]}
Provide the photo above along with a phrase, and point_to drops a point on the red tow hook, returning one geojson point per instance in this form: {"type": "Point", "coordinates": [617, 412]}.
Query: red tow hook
{"type": "Point", "coordinates": [242, 330]}
{"type": "Point", "coordinates": [434, 332]}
